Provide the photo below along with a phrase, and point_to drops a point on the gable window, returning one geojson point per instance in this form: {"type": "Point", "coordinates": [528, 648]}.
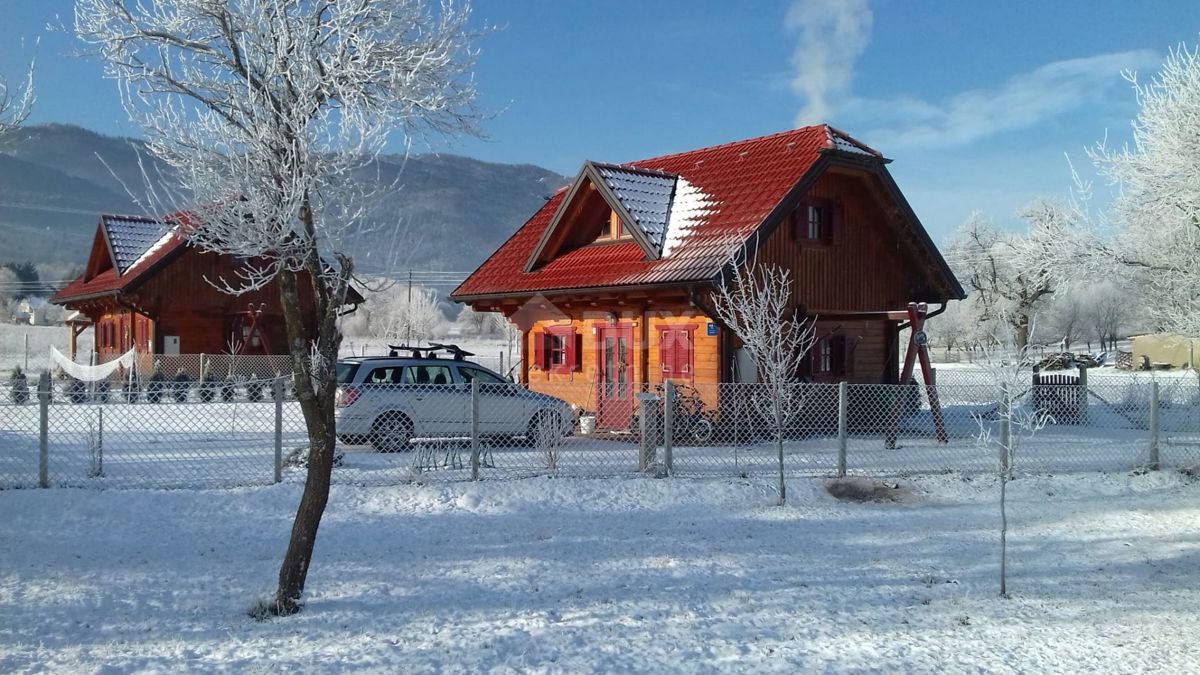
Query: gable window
{"type": "Point", "coordinates": [558, 349]}
{"type": "Point", "coordinates": [815, 221]}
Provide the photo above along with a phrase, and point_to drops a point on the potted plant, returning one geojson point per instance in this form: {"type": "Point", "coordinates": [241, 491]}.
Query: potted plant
{"type": "Point", "coordinates": [157, 385]}
{"type": "Point", "coordinates": [18, 386]}
{"type": "Point", "coordinates": [254, 388]}
{"type": "Point", "coordinates": [182, 384]}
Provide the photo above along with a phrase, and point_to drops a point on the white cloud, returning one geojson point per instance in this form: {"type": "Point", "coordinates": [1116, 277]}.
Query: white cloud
{"type": "Point", "coordinates": [1024, 101]}
{"type": "Point", "coordinates": [832, 34]}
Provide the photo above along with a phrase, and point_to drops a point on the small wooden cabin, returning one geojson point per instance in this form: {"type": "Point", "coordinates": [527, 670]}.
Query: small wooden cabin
{"type": "Point", "coordinates": [611, 280]}
{"type": "Point", "coordinates": [144, 287]}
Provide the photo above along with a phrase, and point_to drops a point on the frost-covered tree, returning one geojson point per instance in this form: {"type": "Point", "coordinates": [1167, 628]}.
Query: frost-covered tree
{"type": "Point", "coordinates": [754, 301]}
{"type": "Point", "coordinates": [16, 101]}
{"type": "Point", "coordinates": [475, 324]}
{"type": "Point", "coordinates": [1108, 310]}
{"type": "Point", "coordinates": [263, 111]}
{"type": "Point", "coordinates": [1008, 369]}
{"type": "Point", "coordinates": [1013, 276]}
{"type": "Point", "coordinates": [408, 316]}
{"type": "Point", "coordinates": [1156, 214]}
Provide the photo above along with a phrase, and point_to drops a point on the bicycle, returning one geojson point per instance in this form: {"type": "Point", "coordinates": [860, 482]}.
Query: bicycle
{"type": "Point", "coordinates": [691, 420]}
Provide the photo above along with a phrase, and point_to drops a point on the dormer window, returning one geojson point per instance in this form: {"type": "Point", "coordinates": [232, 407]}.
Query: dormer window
{"type": "Point", "coordinates": [614, 228]}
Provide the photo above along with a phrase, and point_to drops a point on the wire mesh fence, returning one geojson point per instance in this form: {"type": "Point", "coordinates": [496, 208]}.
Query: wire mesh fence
{"type": "Point", "coordinates": [220, 433]}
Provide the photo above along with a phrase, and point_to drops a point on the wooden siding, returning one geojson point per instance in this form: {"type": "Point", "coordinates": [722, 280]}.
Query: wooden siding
{"type": "Point", "coordinates": [864, 268]}
{"type": "Point", "coordinates": [177, 300]}
{"type": "Point", "coordinates": [576, 387]}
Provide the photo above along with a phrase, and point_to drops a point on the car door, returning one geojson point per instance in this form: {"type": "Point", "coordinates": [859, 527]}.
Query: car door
{"type": "Point", "coordinates": [501, 409]}
{"type": "Point", "coordinates": [440, 404]}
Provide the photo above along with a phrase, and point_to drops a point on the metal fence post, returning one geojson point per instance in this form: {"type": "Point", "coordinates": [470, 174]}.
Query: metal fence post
{"type": "Point", "coordinates": [278, 393]}
{"type": "Point", "coordinates": [44, 429]}
{"type": "Point", "coordinates": [1154, 425]}
{"type": "Point", "coordinates": [475, 429]}
{"type": "Point", "coordinates": [668, 424]}
{"type": "Point", "coordinates": [843, 411]}
{"type": "Point", "coordinates": [1005, 431]}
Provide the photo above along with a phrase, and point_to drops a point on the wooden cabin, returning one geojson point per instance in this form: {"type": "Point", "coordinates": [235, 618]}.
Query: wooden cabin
{"type": "Point", "coordinates": [145, 288]}
{"type": "Point", "coordinates": [611, 280]}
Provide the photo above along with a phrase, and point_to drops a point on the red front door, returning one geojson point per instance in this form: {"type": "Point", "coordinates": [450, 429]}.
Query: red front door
{"type": "Point", "coordinates": [614, 374]}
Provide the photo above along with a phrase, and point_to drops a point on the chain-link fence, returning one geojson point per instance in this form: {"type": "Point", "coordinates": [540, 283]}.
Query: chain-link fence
{"type": "Point", "coordinates": [227, 432]}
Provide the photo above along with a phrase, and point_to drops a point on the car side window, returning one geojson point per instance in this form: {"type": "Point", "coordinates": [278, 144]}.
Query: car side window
{"type": "Point", "coordinates": [428, 375]}
{"type": "Point", "coordinates": [469, 374]}
{"type": "Point", "coordinates": [388, 375]}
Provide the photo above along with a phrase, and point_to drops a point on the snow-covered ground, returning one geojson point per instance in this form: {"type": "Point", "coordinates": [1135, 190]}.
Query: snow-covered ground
{"type": "Point", "coordinates": [20, 343]}
{"type": "Point", "coordinates": [614, 575]}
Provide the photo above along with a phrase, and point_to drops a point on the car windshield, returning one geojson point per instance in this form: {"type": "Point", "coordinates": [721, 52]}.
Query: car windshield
{"type": "Point", "coordinates": [345, 371]}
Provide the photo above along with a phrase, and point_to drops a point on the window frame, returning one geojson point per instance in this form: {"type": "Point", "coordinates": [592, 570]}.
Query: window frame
{"type": "Point", "coordinates": [820, 232]}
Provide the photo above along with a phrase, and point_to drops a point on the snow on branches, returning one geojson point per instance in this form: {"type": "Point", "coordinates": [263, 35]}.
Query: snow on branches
{"type": "Point", "coordinates": [16, 100]}
{"type": "Point", "coordinates": [263, 110]}
{"type": "Point", "coordinates": [1157, 211]}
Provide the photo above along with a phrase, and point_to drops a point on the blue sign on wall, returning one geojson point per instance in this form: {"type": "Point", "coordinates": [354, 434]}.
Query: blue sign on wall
{"type": "Point", "coordinates": [712, 328]}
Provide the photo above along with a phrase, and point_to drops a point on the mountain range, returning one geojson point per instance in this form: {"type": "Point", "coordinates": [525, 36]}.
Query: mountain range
{"type": "Point", "coordinates": [451, 211]}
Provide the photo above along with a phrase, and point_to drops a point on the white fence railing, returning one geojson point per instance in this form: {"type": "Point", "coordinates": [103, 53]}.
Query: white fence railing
{"type": "Point", "coordinates": [232, 432]}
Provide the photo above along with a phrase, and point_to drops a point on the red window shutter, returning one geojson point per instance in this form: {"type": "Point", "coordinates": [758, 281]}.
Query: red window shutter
{"type": "Point", "coordinates": [666, 352]}
{"type": "Point", "coordinates": [837, 221]}
{"type": "Point", "coordinates": [683, 353]}
{"type": "Point", "coordinates": [539, 350]}
{"type": "Point", "coordinates": [575, 350]}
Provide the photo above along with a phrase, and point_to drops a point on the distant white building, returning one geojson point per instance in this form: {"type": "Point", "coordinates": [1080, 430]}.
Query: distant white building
{"type": "Point", "coordinates": [36, 312]}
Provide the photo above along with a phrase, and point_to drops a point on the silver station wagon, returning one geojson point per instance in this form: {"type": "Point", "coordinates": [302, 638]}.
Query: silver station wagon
{"type": "Point", "coordinates": [390, 401]}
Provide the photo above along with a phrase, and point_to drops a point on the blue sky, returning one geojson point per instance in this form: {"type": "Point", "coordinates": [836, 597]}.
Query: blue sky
{"type": "Point", "coordinates": [976, 102]}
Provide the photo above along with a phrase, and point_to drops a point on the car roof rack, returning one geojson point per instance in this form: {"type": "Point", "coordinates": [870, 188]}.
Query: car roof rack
{"type": "Point", "coordinates": [430, 352]}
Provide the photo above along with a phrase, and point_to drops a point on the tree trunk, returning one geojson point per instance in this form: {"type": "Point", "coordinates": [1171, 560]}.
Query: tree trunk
{"type": "Point", "coordinates": [1022, 332]}
{"type": "Point", "coordinates": [315, 390]}
{"type": "Point", "coordinates": [315, 381]}
{"type": "Point", "coordinates": [779, 446]}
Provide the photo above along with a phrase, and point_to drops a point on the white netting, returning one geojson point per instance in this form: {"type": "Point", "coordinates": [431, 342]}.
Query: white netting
{"type": "Point", "coordinates": [92, 373]}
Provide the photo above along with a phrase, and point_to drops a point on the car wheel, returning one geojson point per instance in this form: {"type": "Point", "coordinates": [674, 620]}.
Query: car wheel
{"type": "Point", "coordinates": [391, 432]}
{"type": "Point", "coordinates": [545, 425]}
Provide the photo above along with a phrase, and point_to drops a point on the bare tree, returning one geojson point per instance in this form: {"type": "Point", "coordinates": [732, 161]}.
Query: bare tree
{"type": "Point", "coordinates": [475, 324]}
{"type": "Point", "coordinates": [1157, 211]}
{"type": "Point", "coordinates": [512, 338]}
{"type": "Point", "coordinates": [16, 102]}
{"type": "Point", "coordinates": [398, 317]}
{"type": "Point", "coordinates": [1008, 369]}
{"type": "Point", "coordinates": [1108, 311]}
{"type": "Point", "coordinates": [1068, 317]}
{"type": "Point", "coordinates": [1012, 276]}
{"type": "Point", "coordinates": [754, 302]}
{"type": "Point", "coordinates": [263, 110]}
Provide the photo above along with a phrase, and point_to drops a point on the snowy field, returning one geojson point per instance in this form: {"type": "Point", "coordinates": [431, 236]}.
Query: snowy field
{"type": "Point", "coordinates": [616, 575]}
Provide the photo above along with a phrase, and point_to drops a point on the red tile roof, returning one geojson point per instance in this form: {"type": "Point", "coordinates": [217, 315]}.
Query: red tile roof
{"type": "Point", "coordinates": [744, 181]}
{"type": "Point", "coordinates": [109, 281]}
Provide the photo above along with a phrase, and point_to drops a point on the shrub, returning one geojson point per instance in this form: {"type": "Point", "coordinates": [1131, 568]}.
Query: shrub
{"type": "Point", "coordinates": [157, 386]}
{"type": "Point", "coordinates": [254, 389]}
{"type": "Point", "coordinates": [18, 386]}
{"type": "Point", "coordinates": [129, 389]}
{"type": "Point", "coordinates": [182, 384]}
{"type": "Point", "coordinates": [76, 391]}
